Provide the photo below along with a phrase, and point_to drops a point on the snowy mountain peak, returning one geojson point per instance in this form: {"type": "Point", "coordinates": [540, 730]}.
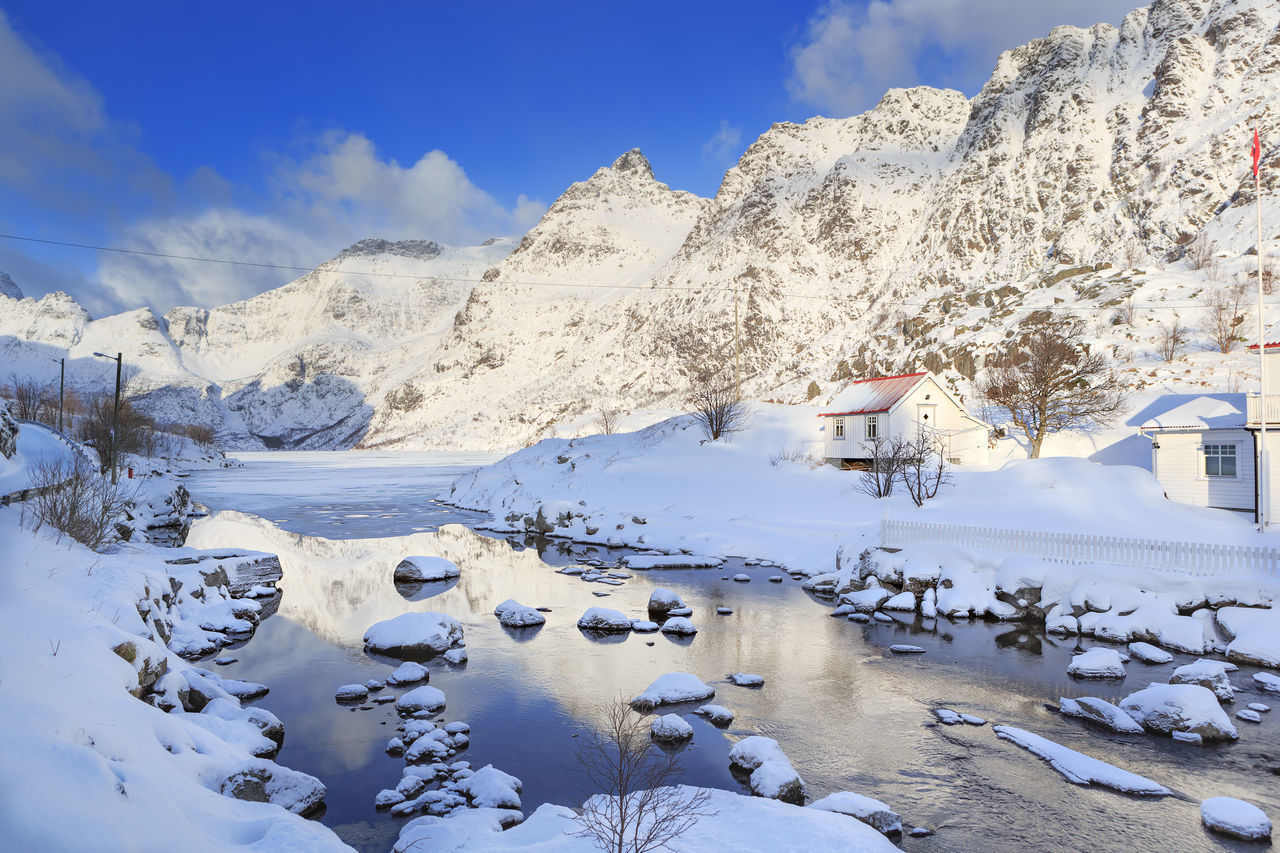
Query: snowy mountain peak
{"type": "Point", "coordinates": [633, 162]}
{"type": "Point", "coordinates": [402, 248]}
{"type": "Point", "coordinates": [8, 287]}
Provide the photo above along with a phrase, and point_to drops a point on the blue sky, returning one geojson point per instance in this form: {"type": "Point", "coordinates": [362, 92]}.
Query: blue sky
{"type": "Point", "coordinates": [283, 132]}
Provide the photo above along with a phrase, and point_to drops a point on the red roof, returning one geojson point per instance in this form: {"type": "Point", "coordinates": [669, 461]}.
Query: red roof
{"type": "Point", "coordinates": [869, 396]}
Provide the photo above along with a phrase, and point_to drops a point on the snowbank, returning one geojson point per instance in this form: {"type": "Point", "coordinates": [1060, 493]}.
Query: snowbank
{"type": "Point", "coordinates": [733, 822]}
{"type": "Point", "coordinates": [86, 758]}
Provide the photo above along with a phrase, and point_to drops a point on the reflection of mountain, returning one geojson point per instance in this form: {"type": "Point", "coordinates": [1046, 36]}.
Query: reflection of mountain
{"type": "Point", "coordinates": [337, 588]}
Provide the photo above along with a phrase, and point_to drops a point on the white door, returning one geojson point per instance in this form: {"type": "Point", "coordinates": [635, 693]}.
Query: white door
{"type": "Point", "coordinates": [926, 416]}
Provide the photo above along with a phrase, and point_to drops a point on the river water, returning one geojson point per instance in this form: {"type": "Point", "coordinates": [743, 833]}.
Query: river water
{"type": "Point", "coordinates": [849, 714]}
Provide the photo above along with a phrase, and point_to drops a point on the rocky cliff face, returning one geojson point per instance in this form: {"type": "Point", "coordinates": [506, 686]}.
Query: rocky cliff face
{"type": "Point", "coordinates": [917, 234]}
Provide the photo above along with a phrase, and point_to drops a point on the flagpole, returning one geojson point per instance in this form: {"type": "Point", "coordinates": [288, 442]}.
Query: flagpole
{"type": "Point", "coordinates": [1264, 461]}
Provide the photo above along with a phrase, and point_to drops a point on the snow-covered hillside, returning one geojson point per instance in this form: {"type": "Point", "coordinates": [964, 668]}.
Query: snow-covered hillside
{"type": "Point", "coordinates": [1090, 174]}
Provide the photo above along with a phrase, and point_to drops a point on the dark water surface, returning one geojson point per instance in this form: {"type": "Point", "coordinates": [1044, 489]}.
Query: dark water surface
{"type": "Point", "coordinates": [849, 714]}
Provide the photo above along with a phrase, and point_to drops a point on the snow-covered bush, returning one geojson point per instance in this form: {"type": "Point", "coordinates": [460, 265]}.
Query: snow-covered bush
{"type": "Point", "coordinates": [72, 497]}
{"type": "Point", "coordinates": [8, 432]}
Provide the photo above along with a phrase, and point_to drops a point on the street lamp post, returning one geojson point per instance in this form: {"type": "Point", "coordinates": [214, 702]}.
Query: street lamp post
{"type": "Point", "coordinates": [62, 381]}
{"type": "Point", "coordinates": [115, 415]}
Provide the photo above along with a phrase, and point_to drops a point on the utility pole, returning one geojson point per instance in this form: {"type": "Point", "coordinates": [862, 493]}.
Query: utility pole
{"type": "Point", "coordinates": [115, 415]}
{"type": "Point", "coordinates": [62, 381]}
{"type": "Point", "coordinates": [1264, 460]}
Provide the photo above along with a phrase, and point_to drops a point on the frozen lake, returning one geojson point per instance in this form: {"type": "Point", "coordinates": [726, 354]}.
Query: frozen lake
{"type": "Point", "coordinates": [848, 713]}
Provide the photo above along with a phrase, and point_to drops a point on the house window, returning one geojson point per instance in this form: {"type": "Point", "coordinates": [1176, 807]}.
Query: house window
{"type": "Point", "coordinates": [873, 427]}
{"type": "Point", "coordinates": [839, 426]}
{"type": "Point", "coordinates": [1220, 460]}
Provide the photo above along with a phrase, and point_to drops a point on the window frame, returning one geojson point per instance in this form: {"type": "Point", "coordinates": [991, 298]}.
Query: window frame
{"type": "Point", "coordinates": [837, 428]}
{"type": "Point", "coordinates": [871, 428]}
{"type": "Point", "coordinates": [1218, 456]}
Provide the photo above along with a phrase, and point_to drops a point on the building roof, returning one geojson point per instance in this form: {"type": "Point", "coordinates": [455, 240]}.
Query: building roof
{"type": "Point", "coordinates": [1222, 411]}
{"type": "Point", "coordinates": [1272, 337]}
{"type": "Point", "coordinates": [869, 396]}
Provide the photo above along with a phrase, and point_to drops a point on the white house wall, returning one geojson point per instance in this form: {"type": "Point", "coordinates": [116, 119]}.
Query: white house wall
{"type": "Point", "coordinates": [966, 440]}
{"type": "Point", "coordinates": [1179, 466]}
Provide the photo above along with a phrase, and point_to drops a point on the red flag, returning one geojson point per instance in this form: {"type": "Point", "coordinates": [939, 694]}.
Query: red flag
{"type": "Point", "coordinates": [1257, 151]}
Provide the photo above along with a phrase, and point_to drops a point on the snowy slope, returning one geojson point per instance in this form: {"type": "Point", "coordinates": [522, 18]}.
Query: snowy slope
{"type": "Point", "coordinates": [920, 233]}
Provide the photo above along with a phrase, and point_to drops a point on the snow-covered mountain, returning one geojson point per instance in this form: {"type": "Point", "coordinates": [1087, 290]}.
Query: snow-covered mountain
{"type": "Point", "coordinates": [918, 233]}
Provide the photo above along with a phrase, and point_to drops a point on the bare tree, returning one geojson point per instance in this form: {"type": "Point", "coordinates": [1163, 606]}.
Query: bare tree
{"type": "Point", "coordinates": [924, 466]}
{"type": "Point", "coordinates": [1224, 315]}
{"type": "Point", "coordinates": [638, 807]}
{"type": "Point", "coordinates": [714, 403]}
{"type": "Point", "coordinates": [1199, 252]}
{"type": "Point", "coordinates": [1127, 313]}
{"type": "Point", "coordinates": [1050, 380]}
{"type": "Point", "coordinates": [1132, 253]}
{"type": "Point", "coordinates": [74, 499]}
{"type": "Point", "coordinates": [1172, 339]}
{"type": "Point", "coordinates": [32, 400]}
{"type": "Point", "coordinates": [884, 461]}
{"type": "Point", "coordinates": [607, 420]}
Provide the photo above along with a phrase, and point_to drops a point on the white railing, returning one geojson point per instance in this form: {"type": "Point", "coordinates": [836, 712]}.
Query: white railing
{"type": "Point", "coordinates": [1199, 559]}
{"type": "Point", "coordinates": [1253, 409]}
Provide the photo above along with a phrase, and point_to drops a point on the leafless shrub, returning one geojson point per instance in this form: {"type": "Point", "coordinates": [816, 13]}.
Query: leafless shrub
{"type": "Point", "coordinates": [32, 400]}
{"type": "Point", "coordinates": [716, 408]}
{"type": "Point", "coordinates": [636, 807]}
{"type": "Point", "coordinates": [1224, 315]}
{"type": "Point", "coordinates": [1127, 313]}
{"type": "Point", "coordinates": [884, 454]}
{"type": "Point", "coordinates": [201, 434]}
{"type": "Point", "coordinates": [607, 420]}
{"type": "Point", "coordinates": [1199, 252]}
{"type": "Point", "coordinates": [74, 499]}
{"type": "Point", "coordinates": [790, 455]}
{"type": "Point", "coordinates": [1172, 339]}
{"type": "Point", "coordinates": [1132, 253]}
{"type": "Point", "coordinates": [1050, 380]}
{"type": "Point", "coordinates": [924, 466]}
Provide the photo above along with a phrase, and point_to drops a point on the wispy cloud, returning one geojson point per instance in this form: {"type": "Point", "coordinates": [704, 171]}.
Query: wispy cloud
{"type": "Point", "coordinates": [851, 52]}
{"type": "Point", "coordinates": [62, 153]}
{"type": "Point", "coordinates": [724, 147]}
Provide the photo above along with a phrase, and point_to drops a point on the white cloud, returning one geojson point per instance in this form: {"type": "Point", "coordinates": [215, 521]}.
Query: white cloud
{"type": "Point", "coordinates": [852, 52]}
{"type": "Point", "coordinates": [723, 147]}
{"type": "Point", "coordinates": [65, 160]}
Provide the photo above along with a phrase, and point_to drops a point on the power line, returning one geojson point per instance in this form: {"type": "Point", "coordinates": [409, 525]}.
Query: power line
{"type": "Point", "coordinates": [641, 287]}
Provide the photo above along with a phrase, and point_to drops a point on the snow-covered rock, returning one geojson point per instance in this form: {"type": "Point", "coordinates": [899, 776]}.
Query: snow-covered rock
{"type": "Point", "coordinates": [772, 775]}
{"type": "Point", "coordinates": [670, 728]}
{"type": "Point", "coordinates": [605, 621]}
{"type": "Point", "coordinates": [1096, 663]}
{"type": "Point", "coordinates": [671, 689]}
{"type": "Point", "coordinates": [421, 699]}
{"type": "Point", "coordinates": [1148, 653]}
{"type": "Point", "coordinates": [414, 636]}
{"type": "Point", "coordinates": [1079, 768]}
{"type": "Point", "coordinates": [1210, 674]}
{"type": "Point", "coordinates": [352, 693]}
{"type": "Point", "coordinates": [425, 570]}
{"type": "Point", "coordinates": [1267, 682]}
{"type": "Point", "coordinates": [670, 561]}
{"type": "Point", "coordinates": [490, 788]}
{"type": "Point", "coordinates": [870, 811]}
{"type": "Point", "coordinates": [409, 672]}
{"type": "Point", "coordinates": [267, 782]}
{"type": "Point", "coordinates": [1248, 715]}
{"type": "Point", "coordinates": [513, 614]}
{"type": "Point", "coordinates": [747, 679]}
{"type": "Point", "coordinates": [644, 626]}
{"type": "Point", "coordinates": [679, 626]}
{"type": "Point", "coordinates": [717, 715]}
{"type": "Point", "coordinates": [742, 578]}
{"type": "Point", "coordinates": [906, 649]}
{"type": "Point", "coordinates": [662, 601]}
{"type": "Point", "coordinates": [866, 600]}
{"type": "Point", "coordinates": [904, 601]}
{"type": "Point", "coordinates": [1189, 708]}
{"type": "Point", "coordinates": [1254, 633]}
{"type": "Point", "coordinates": [1236, 818]}
{"type": "Point", "coordinates": [1101, 712]}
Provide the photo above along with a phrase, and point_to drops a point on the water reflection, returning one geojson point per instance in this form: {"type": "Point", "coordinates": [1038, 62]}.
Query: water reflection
{"type": "Point", "coordinates": [847, 713]}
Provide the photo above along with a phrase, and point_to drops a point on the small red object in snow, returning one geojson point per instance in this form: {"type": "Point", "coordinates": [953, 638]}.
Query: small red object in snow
{"type": "Point", "coordinates": [130, 473]}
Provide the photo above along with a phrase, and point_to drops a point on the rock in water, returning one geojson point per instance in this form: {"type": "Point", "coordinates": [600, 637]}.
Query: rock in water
{"type": "Point", "coordinates": [747, 679]}
{"type": "Point", "coordinates": [605, 621]}
{"type": "Point", "coordinates": [1189, 708]}
{"type": "Point", "coordinates": [267, 782]}
{"type": "Point", "coordinates": [425, 570]}
{"type": "Point", "coordinates": [671, 728]}
{"type": "Point", "coordinates": [871, 812]}
{"type": "Point", "coordinates": [414, 636]}
{"type": "Point", "coordinates": [352, 693]}
{"type": "Point", "coordinates": [1148, 653]}
{"type": "Point", "coordinates": [1236, 818]}
{"type": "Point", "coordinates": [1210, 674]}
{"type": "Point", "coordinates": [671, 689]}
{"type": "Point", "coordinates": [718, 715]}
{"type": "Point", "coordinates": [772, 775]}
{"type": "Point", "coordinates": [1096, 663]}
{"type": "Point", "coordinates": [408, 672]}
{"type": "Point", "coordinates": [679, 626]}
{"type": "Point", "coordinates": [513, 614]}
{"type": "Point", "coordinates": [1103, 713]}
{"type": "Point", "coordinates": [662, 601]}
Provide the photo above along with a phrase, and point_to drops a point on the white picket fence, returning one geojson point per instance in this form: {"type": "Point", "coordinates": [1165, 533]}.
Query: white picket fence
{"type": "Point", "coordinates": [1199, 559]}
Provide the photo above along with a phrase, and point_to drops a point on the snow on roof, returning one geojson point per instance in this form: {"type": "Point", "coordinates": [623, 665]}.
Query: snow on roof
{"type": "Point", "coordinates": [1272, 337]}
{"type": "Point", "coordinates": [1220, 412]}
{"type": "Point", "coordinates": [873, 395]}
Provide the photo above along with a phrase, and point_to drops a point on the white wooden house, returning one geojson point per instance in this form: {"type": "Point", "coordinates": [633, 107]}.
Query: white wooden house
{"type": "Point", "coordinates": [898, 405]}
{"type": "Point", "coordinates": [1205, 452]}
